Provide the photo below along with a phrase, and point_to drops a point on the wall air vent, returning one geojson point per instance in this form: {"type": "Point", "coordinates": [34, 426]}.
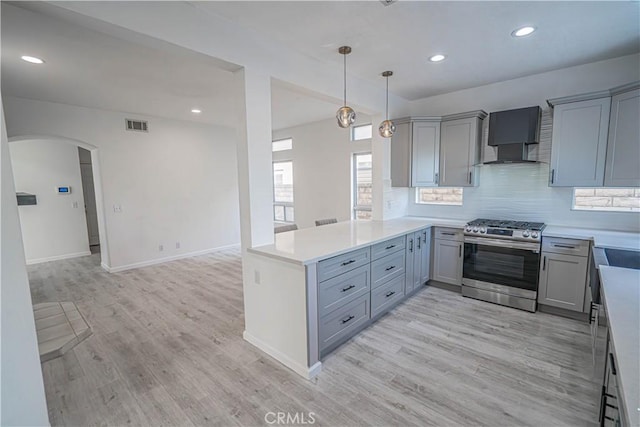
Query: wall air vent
{"type": "Point", "coordinates": [388, 2]}
{"type": "Point", "coordinates": [136, 125]}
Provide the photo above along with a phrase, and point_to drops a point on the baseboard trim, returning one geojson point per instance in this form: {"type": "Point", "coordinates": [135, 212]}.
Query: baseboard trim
{"type": "Point", "coordinates": [563, 312]}
{"type": "Point", "coordinates": [141, 264]}
{"type": "Point", "coordinates": [57, 257]}
{"type": "Point", "coordinates": [446, 286]}
{"type": "Point", "coordinates": [306, 372]}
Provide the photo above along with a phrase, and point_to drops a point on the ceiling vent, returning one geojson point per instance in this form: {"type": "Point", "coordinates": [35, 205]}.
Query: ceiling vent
{"type": "Point", "coordinates": [388, 2]}
{"type": "Point", "coordinates": [137, 125]}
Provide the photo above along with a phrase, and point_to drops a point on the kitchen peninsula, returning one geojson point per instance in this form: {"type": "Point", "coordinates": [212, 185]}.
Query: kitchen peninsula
{"type": "Point", "coordinates": [313, 288]}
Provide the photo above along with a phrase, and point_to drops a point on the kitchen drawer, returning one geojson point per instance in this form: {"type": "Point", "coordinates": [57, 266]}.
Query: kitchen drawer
{"type": "Point", "coordinates": [337, 265]}
{"type": "Point", "coordinates": [388, 247]}
{"type": "Point", "coordinates": [339, 290]}
{"type": "Point", "coordinates": [565, 246]}
{"type": "Point", "coordinates": [341, 323]}
{"type": "Point", "coordinates": [387, 295]}
{"type": "Point", "coordinates": [387, 268]}
{"type": "Point", "coordinates": [449, 234]}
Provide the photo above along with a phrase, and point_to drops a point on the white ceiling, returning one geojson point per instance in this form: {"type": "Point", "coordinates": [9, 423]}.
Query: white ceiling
{"type": "Point", "coordinates": [90, 68]}
{"type": "Point", "coordinates": [476, 37]}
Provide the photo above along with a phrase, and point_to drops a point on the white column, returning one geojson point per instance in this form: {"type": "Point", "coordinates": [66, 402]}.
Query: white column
{"type": "Point", "coordinates": [255, 172]}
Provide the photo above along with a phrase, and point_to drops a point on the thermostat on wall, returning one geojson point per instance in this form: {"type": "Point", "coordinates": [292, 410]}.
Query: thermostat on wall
{"type": "Point", "coordinates": [63, 190]}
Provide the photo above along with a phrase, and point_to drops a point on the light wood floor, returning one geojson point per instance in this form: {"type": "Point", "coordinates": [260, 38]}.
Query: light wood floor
{"type": "Point", "coordinates": [167, 350]}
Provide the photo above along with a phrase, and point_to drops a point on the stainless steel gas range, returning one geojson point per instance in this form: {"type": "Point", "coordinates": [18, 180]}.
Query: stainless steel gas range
{"type": "Point", "coordinates": [501, 262]}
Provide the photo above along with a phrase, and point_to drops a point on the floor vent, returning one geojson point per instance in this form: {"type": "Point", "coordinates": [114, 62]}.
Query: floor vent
{"type": "Point", "coordinates": [137, 125]}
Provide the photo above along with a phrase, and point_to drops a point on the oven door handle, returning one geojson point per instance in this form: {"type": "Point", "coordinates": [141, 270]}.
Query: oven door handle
{"type": "Point", "coordinates": [535, 248]}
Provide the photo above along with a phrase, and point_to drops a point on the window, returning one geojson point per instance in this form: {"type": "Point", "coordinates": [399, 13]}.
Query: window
{"type": "Point", "coordinates": [361, 132]}
{"type": "Point", "coordinates": [607, 199]}
{"type": "Point", "coordinates": [283, 191]}
{"type": "Point", "coordinates": [362, 186]}
{"type": "Point", "coordinates": [282, 144]}
{"type": "Point", "coordinates": [439, 196]}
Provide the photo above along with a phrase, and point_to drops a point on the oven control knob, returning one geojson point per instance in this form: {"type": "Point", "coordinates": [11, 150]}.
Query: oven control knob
{"type": "Point", "coordinates": [475, 229]}
{"type": "Point", "coordinates": [468, 229]}
{"type": "Point", "coordinates": [525, 233]}
{"type": "Point", "coordinates": [483, 230]}
{"type": "Point", "coordinates": [534, 234]}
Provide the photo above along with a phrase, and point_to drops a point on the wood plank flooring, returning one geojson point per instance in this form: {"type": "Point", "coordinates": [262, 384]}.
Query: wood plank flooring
{"type": "Point", "coordinates": [167, 349]}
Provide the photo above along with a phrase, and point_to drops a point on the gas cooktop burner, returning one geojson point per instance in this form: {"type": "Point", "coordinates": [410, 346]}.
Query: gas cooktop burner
{"type": "Point", "coordinates": [504, 229]}
{"type": "Point", "coordinates": [511, 225]}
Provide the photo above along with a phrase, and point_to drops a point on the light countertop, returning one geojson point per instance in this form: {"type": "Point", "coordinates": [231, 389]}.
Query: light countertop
{"type": "Point", "coordinates": [600, 238]}
{"type": "Point", "coordinates": [621, 292]}
{"type": "Point", "coordinates": [309, 245]}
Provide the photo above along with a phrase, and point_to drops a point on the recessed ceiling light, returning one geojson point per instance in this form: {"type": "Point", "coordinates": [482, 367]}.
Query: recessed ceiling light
{"type": "Point", "coordinates": [196, 111]}
{"type": "Point", "coordinates": [523, 31]}
{"type": "Point", "coordinates": [437, 58]}
{"type": "Point", "coordinates": [32, 59]}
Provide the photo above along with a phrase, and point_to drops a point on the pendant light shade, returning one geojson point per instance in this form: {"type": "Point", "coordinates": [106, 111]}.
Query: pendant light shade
{"type": "Point", "coordinates": [345, 115]}
{"type": "Point", "coordinates": [387, 128]}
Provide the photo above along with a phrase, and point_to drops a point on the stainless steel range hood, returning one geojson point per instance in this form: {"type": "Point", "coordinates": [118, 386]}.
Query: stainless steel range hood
{"type": "Point", "coordinates": [512, 131]}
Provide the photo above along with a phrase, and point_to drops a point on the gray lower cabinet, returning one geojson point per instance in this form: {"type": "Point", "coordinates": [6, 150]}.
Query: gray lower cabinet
{"type": "Point", "coordinates": [447, 256]}
{"type": "Point", "coordinates": [563, 273]}
{"type": "Point", "coordinates": [386, 296]}
{"type": "Point", "coordinates": [387, 268]}
{"type": "Point", "coordinates": [425, 256]}
{"type": "Point", "coordinates": [342, 323]}
{"type": "Point", "coordinates": [338, 291]}
{"type": "Point", "coordinates": [410, 249]}
{"type": "Point", "coordinates": [418, 260]}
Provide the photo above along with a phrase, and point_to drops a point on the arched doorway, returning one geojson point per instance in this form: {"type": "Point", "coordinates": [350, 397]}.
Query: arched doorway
{"type": "Point", "coordinates": [96, 177]}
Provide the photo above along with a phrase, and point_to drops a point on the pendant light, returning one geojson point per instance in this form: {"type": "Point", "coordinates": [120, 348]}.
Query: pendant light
{"type": "Point", "coordinates": [387, 128]}
{"type": "Point", "coordinates": [345, 115]}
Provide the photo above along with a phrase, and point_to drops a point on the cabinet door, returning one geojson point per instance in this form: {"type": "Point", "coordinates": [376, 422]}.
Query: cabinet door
{"type": "Point", "coordinates": [458, 152]}
{"type": "Point", "coordinates": [401, 156]}
{"type": "Point", "coordinates": [579, 143]}
{"type": "Point", "coordinates": [417, 259]}
{"type": "Point", "coordinates": [563, 279]}
{"type": "Point", "coordinates": [425, 138]}
{"type": "Point", "coordinates": [425, 269]}
{"type": "Point", "coordinates": [447, 262]}
{"type": "Point", "coordinates": [410, 250]}
{"type": "Point", "coordinates": [623, 149]}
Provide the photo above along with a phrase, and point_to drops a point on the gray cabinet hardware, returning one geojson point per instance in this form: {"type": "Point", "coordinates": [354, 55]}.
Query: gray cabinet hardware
{"type": "Point", "coordinates": [470, 177]}
{"type": "Point", "coordinates": [390, 247]}
{"type": "Point", "coordinates": [564, 246]}
{"type": "Point", "coordinates": [553, 175]}
{"type": "Point", "coordinates": [347, 319]}
{"type": "Point", "coordinates": [613, 364]}
{"type": "Point", "coordinates": [410, 245]}
{"type": "Point", "coordinates": [390, 268]}
{"type": "Point", "coordinates": [437, 178]}
{"type": "Point", "coordinates": [460, 251]}
{"type": "Point", "coordinates": [388, 294]}
{"type": "Point", "coordinates": [544, 263]}
{"type": "Point", "coordinates": [351, 261]}
{"type": "Point", "coordinates": [448, 234]}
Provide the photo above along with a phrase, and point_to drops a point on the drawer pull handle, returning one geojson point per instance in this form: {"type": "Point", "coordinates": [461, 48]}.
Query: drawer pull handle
{"type": "Point", "coordinates": [388, 294]}
{"type": "Point", "coordinates": [345, 289]}
{"type": "Point", "coordinates": [347, 319]}
{"type": "Point", "coordinates": [410, 245]}
{"type": "Point", "coordinates": [390, 247]}
{"type": "Point", "coordinates": [447, 234]}
{"type": "Point", "coordinates": [390, 268]}
{"type": "Point", "coordinates": [613, 364]}
{"type": "Point", "coordinates": [557, 245]}
{"type": "Point", "coordinates": [351, 261]}
{"type": "Point", "coordinates": [544, 263]}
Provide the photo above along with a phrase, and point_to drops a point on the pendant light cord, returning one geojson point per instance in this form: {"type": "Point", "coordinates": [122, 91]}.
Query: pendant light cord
{"type": "Point", "coordinates": [387, 114]}
{"type": "Point", "coordinates": [345, 78]}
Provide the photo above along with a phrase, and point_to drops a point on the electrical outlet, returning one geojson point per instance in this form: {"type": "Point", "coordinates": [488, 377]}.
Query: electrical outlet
{"type": "Point", "coordinates": [117, 208]}
{"type": "Point", "coordinates": [177, 245]}
{"type": "Point", "coordinates": [256, 277]}
{"type": "Point", "coordinates": [160, 248]}
{"type": "Point", "coordinates": [75, 205]}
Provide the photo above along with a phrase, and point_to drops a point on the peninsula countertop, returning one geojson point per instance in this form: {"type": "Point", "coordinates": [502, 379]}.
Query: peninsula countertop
{"type": "Point", "coordinates": [621, 292]}
{"type": "Point", "coordinates": [600, 238]}
{"type": "Point", "coordinates": [309, 245]}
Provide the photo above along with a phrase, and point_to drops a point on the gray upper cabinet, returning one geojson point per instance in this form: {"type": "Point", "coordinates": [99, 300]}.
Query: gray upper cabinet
{"type": "Point", "coordinates": [460, 147]}
{"type": "Point", "coordinates": [415, 148]}
{"type": "Point", "coordinates": [425, 148]}
{"type": "Point", "coordinates": [623, 148]}
{"type": "Point", "coordinates": [579, 142]}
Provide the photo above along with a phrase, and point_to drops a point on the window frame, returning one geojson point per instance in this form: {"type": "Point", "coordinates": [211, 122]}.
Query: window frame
{"type": "Point", "coordinates": [284, 205]}
{"type": "Point", "coordinates": [273, 150]}
{"type": "Point", "coordinates": [355, 208]}
{"type": "Point", "coordinates": [353, 131]}
{"type": "Point", "coordinates": [417, 201]}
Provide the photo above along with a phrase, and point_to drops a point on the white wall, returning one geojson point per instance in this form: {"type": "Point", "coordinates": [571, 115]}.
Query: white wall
{"type": "Point", "coordinates": [56, 227]}
{"type": "Point", "coordinates": [177, 183]}
{"type": "Point", "coordinates": [322, 156]}
{"type": "Point", "coordinates": [521, 191]}
{"type": "Point", "coordinates": [21, 390]}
